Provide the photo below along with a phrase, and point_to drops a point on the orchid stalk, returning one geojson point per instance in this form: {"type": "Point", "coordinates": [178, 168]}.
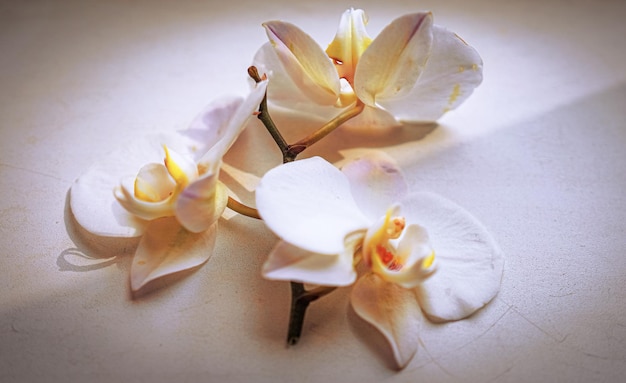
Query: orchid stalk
{"type": "Point", "coordinates": [291, 151]}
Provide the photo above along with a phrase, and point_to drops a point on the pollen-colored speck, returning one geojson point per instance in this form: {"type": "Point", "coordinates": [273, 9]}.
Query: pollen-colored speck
{"type": "Point", "coordinates": [429, 261]}
{"type": "Point", "coordinates": [456, 92]}
{"type": "Point", "coordinates": [202, 168]}
{"type": "Point", "coordinates": [396, 227]}
{"type": "Point", "coordinates": [474, 67]}
{"type": "Point", "coordinates": [461, 69]}
{"type": "Point", "coordinates": [394, 265]}
{"type": "Point", "coordinates": [385, 255]}
{"type": "Point", "coordinates": [459, 37]}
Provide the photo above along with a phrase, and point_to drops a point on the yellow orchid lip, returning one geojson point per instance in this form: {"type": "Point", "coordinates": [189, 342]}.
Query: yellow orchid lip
{"type": "Point", "coordinates": [180, 168]}
{"type": "Point", "coordinates": [160, 182]}
{"type": "Point", "coordinates": [391, 228]}
{"type": "Point", "coordinates": [153, 183]}
{"type": "Point", "coordinates": [397, 252]}
{"type": "Point", "coordinates": [156, 187]}
{"type": "Point", "coordinates": [349, 43]}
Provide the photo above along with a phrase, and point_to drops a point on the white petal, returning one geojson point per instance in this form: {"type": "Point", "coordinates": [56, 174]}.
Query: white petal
{"type": "Point", "coordinates": [237, 122]}
{"type": "Point", "coordinates": [283, 95]}
{"type": "Point", "coordinates": [308, 203]}
{"type": "Point", "coordinates": [305, 62]}
{"type": "Point", "coordinates": [210, 125]}
{"type": "Point", "coordinates": [147, 210]}
{"type": "Point", "coordinates": [349, 43]}
{"type": "Point", "coordinates": [182, 168]}
{"type": "Point", "coordinates": [167, 248]}
{"type": "Point", "coordinates": [282, 89]}
{"type": "Point", "coordinates": [153, 183]}
{"type": "Point", "coordinates": [290, 263]}
{"type": "Point", "coordinates": [469, 262]}
{"type": "Point", "coordinates": [376, 182]}
{"type": "Point", "coordinates": [393, 310]}
{"type": "Point", "coordinates": [395, 59]}
{"type": "Point", "coordinates": [452, 72]}
{"type": "Point", "coordinates": [201, 204]}
{"type": "Point", "coordinates": [91, 196]}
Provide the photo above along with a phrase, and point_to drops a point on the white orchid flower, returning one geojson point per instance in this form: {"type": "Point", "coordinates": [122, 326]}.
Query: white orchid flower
{"type": "Point", "coordinates": [422, 253]}
{"type": "Point", "coordinates": [165, 187]}
{"type": "Point", "coordinates": [413, 71]}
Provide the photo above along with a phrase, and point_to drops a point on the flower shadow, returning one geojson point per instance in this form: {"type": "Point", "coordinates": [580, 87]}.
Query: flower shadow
{"type": "Point", "coordinates": [91, 252]}
{"type": "Point", "coordinates": [73, 259]}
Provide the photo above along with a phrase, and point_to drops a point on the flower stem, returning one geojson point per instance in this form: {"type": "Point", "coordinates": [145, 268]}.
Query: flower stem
{"type": "Point", "coordinates": [300, 300]}
{"type": "Point", "coordinates": [267, 121]}
{"type": "Point", "coordinates": [329, 127]}
{"type": "Point", "coordinates": [242, 209]}
{"type": "Point", "coordinates": [300, 297]}
{"type": "Point", "coordinates": [290, 152]}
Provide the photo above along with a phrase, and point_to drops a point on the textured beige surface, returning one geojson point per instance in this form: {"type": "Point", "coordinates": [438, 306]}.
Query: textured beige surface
{"type": "Point", "coordinates": [537, 154]}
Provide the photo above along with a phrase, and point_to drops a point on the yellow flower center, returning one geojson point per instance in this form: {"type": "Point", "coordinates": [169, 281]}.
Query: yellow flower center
{"type": "Point", "coordinates": [345, 50]}
{"type": "Point", "coordinates": [380, 247]}
{"type": "Point", "coordinates": [157, 182]}
{"type": "Point", "coordinates": [407, 261]}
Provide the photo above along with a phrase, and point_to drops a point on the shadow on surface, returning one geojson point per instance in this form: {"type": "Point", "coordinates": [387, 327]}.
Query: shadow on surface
{"type": "Point", "coordinates": [96, 251]}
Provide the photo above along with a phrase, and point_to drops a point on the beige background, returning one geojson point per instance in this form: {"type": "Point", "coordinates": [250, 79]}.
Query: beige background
{"type": "Point", "coordinates": [537, 154]}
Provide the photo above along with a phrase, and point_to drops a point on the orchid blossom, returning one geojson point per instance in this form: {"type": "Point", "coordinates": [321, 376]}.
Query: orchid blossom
{"type": "Point", "coordinates": [422, 254]}
{"type": "Point", "coordinates": [166, 188]}
{"type": "Point", "coordinates": [413, 71]}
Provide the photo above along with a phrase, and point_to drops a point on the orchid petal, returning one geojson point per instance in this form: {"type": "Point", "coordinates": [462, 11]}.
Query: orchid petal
{"type": "Point", "coordinates": [210, 125]}
{"type": "Point", "coordinates": [394, 61]}
{"type": "Point", "coordinates": [289, 263]}
{"type": "Point", "coordinates": [182, 169]}
{"type": "Point", "coordinates": [470, 264]}
{"type": "Point", "coordinates": [304, 61]}
{"type": "Point", "coordinates": [350, 42]}
{"type": "Point", "coordinates": [201, 203]}
{"type": "Point", "coordinates": [394, 312]}
{"type": "Point", "coordinates": [308, 203]}
{"type": "Point", "coordinates": [283, 90]}
{"type": "Point", "coordinates": [283, 95]}
{"type": "Point", "coordinates": [237, 122]}
{"type": "Point", "coordinates": [376, 182]}
{"type": "Point", "coordinates": [91, 198]}
{"type": "Point", "coordinates": [452, 72]}
{"type": "Point", "coordinates": [153, 183]}
{"type": "Point", "coordinates": [147, 210]}
{"type": "Point", "coordinates": [167, 248]}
